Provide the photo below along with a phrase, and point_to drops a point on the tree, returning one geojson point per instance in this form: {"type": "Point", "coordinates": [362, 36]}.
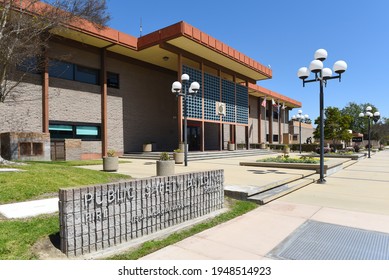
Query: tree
{"type": "Point", "coordinates": [358, 124]}
{"type": "Point", "coordinates": [380, 131]}
{"type": "Point", "coordinates": [336, 125]}
{"type": "Point", "coordinates": [26, 27]}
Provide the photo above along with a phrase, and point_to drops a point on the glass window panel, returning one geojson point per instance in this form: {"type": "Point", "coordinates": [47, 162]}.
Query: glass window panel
{"type": "Point", "coordinates": [112, 80]}
{"type": "Point", "coordinates": [61, 127]}
{"type": "Point", "coordinates": [87, 75]}
{"type": "Point", "coordinates": [87, 130]}
{"type": "Point", "coordinates": [61, 69]}
{"type": "Point", "coordinates": [29, 65]}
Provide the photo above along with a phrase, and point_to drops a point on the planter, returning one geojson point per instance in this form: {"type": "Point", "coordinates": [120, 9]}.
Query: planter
{"type": "Point", "coordinates": [179, 157]}
{"type": "Point", "coordinates": [147, 147]}
{"type": "Point", "coordinates": [110, 164]}
{"type": "Point", "coordinates": [286, 151]}
{"type": "Point", "coordinates": [262, 146]}
{"type": "Point", "coordinates": [165, 167]}
{"type": "Point", "coordinates": [231, 146]}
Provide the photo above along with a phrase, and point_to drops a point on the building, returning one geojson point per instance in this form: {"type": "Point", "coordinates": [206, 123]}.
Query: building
{"type": "Point", "coordinates": [111, 90]}
{"type": "Point", "coordinates": [306, 133]}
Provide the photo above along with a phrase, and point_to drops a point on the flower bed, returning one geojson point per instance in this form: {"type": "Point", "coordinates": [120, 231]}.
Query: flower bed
{"type": "Point", "coordinates": [287, 159]}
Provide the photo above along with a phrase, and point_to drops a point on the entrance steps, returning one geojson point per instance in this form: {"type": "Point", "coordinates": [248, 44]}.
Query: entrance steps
{"type": "Point", "coordinates": [272, 194]}
{"type": "Point", "coordinates": [264, 194]}
{"type": "Point", "coordinates": [193, 156]}
{"type": "Point", "coordinates": [271, 191]}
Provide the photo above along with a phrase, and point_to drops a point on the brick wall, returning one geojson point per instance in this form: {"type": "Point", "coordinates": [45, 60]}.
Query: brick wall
{"type": "Point", "coordinates": [22, 110]}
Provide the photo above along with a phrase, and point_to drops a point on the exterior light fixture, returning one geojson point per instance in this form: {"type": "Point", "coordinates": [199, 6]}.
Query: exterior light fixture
{"type": "Point", "coordinates": [369, 115]}
{"type": "Point", "coordinates": [322, 75]}
{"type": "Point", "coordinates": [180, 89]}
{"type": "Point", "coordinates": [300, 117]}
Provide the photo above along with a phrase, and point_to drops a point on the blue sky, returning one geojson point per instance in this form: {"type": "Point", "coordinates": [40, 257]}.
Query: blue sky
{"type": "Point", "coordinates": [285, 34]}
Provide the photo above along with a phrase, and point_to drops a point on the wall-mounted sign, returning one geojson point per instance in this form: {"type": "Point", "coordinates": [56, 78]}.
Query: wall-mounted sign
{"type": "Point", "coordinates": [357, 139]}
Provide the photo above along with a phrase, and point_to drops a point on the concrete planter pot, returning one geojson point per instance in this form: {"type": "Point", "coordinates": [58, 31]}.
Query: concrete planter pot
{"type": "Point", "coordinates": [165, 167]}
{"type": "Point", "coordinates": [147, 147]}
{"type": "Point", "coordinates": [262, 146]}
{"type": "Point", "coordinates": [110, 164]}
{"type": "Point", "coordinates": [286, 150]}
{"type": "Point", "coordinates": [231, 147]}
{"type": "Point", "coordinates": [179, 157]}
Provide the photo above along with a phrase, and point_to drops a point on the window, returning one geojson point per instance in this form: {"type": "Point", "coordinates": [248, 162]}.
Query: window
{"type": "Point", "coordinates": [112, 80]}
{"type": "Point", "coordinates": [61, 69]}
{"type": "Point", "coordinates": [74, 72]}
{"type": "Point", "coordinates": [86, 75]}
{"type": "Point", "coordinates": [59, 130]}
{"type": "Point", "coordinates": [275, 115]}
{"type": "Point", "coordinates": [29, 65]}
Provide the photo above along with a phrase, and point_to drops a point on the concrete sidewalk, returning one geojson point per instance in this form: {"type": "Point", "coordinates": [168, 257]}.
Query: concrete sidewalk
{"type": "Point", "coordinates": [354, 199]}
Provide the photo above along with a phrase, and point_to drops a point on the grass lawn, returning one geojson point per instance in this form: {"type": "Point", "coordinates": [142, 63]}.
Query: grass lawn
{"type": "Point", "coordinates": [18, 236]}
{"type": "Point", "coordinates": [43, 179]}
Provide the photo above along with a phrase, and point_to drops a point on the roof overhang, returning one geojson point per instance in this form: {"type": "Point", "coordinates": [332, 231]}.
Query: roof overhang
{"type": "Point", "coordinates": [163, 46]}
{"type": "Point", "coordinates": [258, 91]}
{"type": "Point", "coordinates": [188, 39]}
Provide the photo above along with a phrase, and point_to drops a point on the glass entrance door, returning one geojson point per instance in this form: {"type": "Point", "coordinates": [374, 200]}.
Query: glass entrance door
{"type": "Point", "coordinates": [194, 137]}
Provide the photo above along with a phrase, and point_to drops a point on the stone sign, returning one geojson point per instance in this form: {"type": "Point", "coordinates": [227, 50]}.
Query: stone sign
{"type": "Point", "coordinates": [93, 218]}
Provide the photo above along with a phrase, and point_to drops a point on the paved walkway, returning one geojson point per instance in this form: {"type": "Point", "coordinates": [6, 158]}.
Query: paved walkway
{"type": "Point", "coordinates": [356, 197]}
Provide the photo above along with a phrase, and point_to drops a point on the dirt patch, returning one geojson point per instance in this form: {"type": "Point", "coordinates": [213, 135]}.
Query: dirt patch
{"type": "Point", "coordinates": [2, 218]}
{"type": "Point", "coordinates": [48, 248]}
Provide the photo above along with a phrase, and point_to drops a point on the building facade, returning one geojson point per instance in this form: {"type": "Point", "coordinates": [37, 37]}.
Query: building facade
{"type": "Point", "coordinates": [113, 91]}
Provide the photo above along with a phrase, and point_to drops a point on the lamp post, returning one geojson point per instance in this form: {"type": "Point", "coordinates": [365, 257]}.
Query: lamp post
{"type": "Point", "coordinates": [321, 76]}
{"type": "Point", "coordinates": [300, 117]}
{"type": "Point", "coordinates": [184, 92]}
{"type": "Point", "coordinates": [376, 116]}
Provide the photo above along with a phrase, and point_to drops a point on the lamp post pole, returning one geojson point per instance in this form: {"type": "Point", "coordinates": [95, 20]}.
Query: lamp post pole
{"type": "Point", "coordinates": [321, 76]}
{"type": "Point", "coordinates": [369, 115]}
{"type": "Point", "coordinates": [300, 117]}
{"type": "Point", "coordinates": [185, 125]}
{"type": "Point", "coordinates": [193, 89]}
{"type": "Point", "coordinates": [321, 180]}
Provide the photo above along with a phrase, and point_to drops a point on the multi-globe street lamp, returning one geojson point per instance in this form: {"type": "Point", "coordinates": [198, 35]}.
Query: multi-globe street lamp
{"type": "Point", "coordinates": [300, 117]}
{"type": "Point", "coordinates": [376, 116]}
{"type": "Point", "coordinates": [184, 92]}
{"type": "Point", "coordinates": [321, 76]}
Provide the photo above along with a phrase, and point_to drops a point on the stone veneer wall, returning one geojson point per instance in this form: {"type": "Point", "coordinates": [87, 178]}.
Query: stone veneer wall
{"type": "Point", "coordinates": [97, 217]}
{"type": "Point", "coordinates": [25, 145]}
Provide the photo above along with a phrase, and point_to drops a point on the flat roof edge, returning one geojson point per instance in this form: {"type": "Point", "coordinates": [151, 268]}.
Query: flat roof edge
{"type": "Point", "coordinates": [184, 29]}
{"type": "Point", "coordinates": [275, 95]}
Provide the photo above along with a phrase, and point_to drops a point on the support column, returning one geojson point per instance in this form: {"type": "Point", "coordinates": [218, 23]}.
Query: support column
{"type": "Point", "coordinates": [103, 79]}
{"type": "Point", "coordinates": [270, 122]}
{"type": "Point", "coordinates": [259, 120]}
{"type": "Point", "coordinates": [45, 94]}
{"type": "Point", "coordinates": [280, 123]}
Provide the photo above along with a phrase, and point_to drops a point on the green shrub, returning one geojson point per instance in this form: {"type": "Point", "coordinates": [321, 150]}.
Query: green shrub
{"type": "Point", "coordinates": [164, 156]}
{"type": "Point", "coordinates": [288, 159]}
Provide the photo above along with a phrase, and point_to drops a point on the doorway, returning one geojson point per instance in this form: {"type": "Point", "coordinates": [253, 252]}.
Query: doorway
{"type": "Point", "coordinates": [194, 136]}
